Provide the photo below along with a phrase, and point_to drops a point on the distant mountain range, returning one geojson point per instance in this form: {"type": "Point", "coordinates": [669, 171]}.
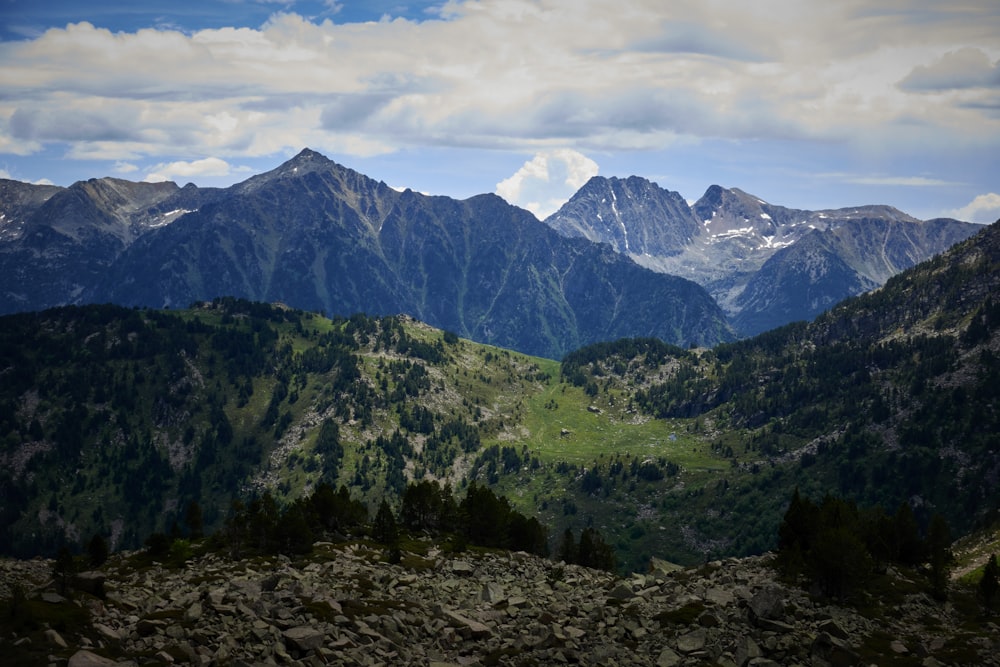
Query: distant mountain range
{"type": "Point", "coordinates": [766, 265]}
{"type": "Point", "coordinates": [318, 236]}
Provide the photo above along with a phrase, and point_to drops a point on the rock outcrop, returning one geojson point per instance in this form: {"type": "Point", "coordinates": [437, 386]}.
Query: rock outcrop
{"type": "Point", "coordinates": [344, 605]}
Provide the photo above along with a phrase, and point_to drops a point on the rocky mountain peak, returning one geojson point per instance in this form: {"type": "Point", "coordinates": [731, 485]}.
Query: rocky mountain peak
{"type": "Point", "coordinates": [305, 163]}
{"type": "Point", "coordinates": [635, 215]}
{"type": "Point", "coordinates": [739, 246]}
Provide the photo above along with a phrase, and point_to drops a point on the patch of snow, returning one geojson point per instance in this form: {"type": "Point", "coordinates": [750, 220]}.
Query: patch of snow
{"type": "Point", "coordinates": [769, 242]}
{"type": "Point", "coordinates": [742, 231]}
{"type": "Point", "coordinates": [618, 216]}
{"type": "Point", "coordinates": [169, 217]}
{"type": "Point", "coordinates": [765, 216]}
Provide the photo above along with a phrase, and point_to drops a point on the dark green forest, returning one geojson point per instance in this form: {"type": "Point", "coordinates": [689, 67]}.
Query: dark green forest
{"type": "Point", "coordinates": [113, 421]}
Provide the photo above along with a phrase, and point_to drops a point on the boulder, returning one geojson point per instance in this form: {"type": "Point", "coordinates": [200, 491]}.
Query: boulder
{"type": "Point", "coordinates": [91, 582]}
{"type": "Point", "coordinates": [831, 628]}
{"type": "Point", "coordinates": [83, 658]}
{"type": "Point", "coordinates": [835, 652]}
{"type": "Point", "coordinates": [54, 638]}
{"type": "Point", "coordinates": [304, 638]}
{"type": "Point", "coordinates": [107, 633]}
{"type": "Point", "coordinates": [767, 603]}
{"type": "Point", "coordinates": [462, 568]}
{"type": "Point", "coordinates": [668, 658]}
{"type": "Point", "coordinates": [468, 626]}
{"type": "Point", "coordinates": [746, 649]}
{"type": "Point", "coordinates": [691, 641]}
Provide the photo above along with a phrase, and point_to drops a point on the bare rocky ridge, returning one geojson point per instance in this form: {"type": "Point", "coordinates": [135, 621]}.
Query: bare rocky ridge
{"type": "Point", "coordinates": [344, 605]}
{"type": "Point", "coordinates": [766, 265]}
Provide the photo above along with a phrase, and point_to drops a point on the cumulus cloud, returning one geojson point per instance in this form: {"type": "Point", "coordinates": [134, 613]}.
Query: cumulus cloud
{"type": "Point", "coordinates": [122, 167]}
{"type": "Point", "coordinates": [186, 170]}
{"type": "Point", "coordinates": [964, 68]}
{"type": "Point", "coordinates": [984, 208]}
{"type": "Point", "coordinates": [547, 181]}
{"type": "Point", "coordinates": [513, 76]}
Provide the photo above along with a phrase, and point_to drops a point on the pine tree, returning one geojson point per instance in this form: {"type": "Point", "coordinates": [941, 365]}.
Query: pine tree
{"type": "Point", "coordinates": [989, 585]}
{"type": "Point", "coordinates": [567, 547]}
{"type": "Point", "coordinates": [63, 569]}
{"type": "Point", "coordinates": [97, 549]}
{"type": "Point", "coordinates": [908, 548]}
{"type": "Point", "coordinates": [193, 520]}
{"type": "Point", "coordinates": [384, 528]}
{"type": "Point", "coordinates": [939, 548]}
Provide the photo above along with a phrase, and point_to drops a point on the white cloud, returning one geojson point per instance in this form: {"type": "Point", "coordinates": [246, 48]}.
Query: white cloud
{"type": "Point", "coordinates": [547, 181]}
{"type": "Point", "coordinates": [875, 75]}
{"type": "Point", "coordinates": [187, 170]}
{"type": "Point", "coordinates": [122, 167]}
{"type": "Point", "coordinates": [964, 68]}
{"type": "Point", "coordinates": [984, 208]}
{"type": "Point", "coordinates": [903, 181]}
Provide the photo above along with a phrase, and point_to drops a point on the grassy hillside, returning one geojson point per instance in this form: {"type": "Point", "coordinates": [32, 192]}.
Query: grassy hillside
{"type": "Point", "coordinates": [113, 421]}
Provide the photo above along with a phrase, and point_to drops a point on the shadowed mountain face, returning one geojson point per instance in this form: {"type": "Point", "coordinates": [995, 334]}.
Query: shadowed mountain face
{"type": "Point", "coordinates": [318, 236]}
{"type": "Point", "coordinates": [766, 265]}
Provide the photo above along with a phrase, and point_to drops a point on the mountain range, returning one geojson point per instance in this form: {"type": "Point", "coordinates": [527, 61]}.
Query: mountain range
{"type": "Point", "coordinates": [318, 236]}
{"type": "Point", "coordinates": [766, 265]}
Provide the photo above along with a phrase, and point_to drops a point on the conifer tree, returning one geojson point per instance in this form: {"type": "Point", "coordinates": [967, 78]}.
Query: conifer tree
{"type": "Point", "coordinates": [567, 547]}
{"type": "Point", "coordinates": [939, 548]}
{"type": "Point", "coordinates": [63, 569]}
{"type": "Point", "coordinates": [989, 585]}
{"type": "Point", "coordinates": [384, 528]}
{"type": "Point", "coordinates": [193, 520]}
{"type": "Point", "coordinates": [97, 550]}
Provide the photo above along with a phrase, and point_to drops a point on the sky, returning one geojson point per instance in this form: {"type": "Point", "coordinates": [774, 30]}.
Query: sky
{"type": "Point", "coordinates": [809, 104]}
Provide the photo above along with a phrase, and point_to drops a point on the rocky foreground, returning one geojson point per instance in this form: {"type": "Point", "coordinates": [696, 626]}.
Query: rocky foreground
{"type": "Point", "coordinates": [345, 605]}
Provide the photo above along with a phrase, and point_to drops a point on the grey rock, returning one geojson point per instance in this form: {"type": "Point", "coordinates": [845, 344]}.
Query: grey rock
{"type": "Point", "coordinates": [691, 641]}
{"type": "Point", "coordinates": [668, 658]}
{"type": "Point", "coordinates": [304, 638]}
{"type": "Point", "coordinates": [91, 582]}
{"type": "Point", "coordinates": [768, 603]}
{"type": "Point", "coordinates": [85, 658]}
{"type": "Point", "coordinates": [54, 638]}
{"type": "Point", "coordinates": [107, 633]}
{"type": "Point", "coordinates": [473, 628]}
{"type": "Point", "coordinates": [462, 568]}
{"type": "Point", "coordinates": [835, 652]}
{"type": "Point", "coordinates": [745, 650]}
{"type": "Point", "coordinates": [193, 613]}
{"type": "Point", "coordinates": [833, 629]}
{"type": "Point", "coordinates": [621, 592]}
